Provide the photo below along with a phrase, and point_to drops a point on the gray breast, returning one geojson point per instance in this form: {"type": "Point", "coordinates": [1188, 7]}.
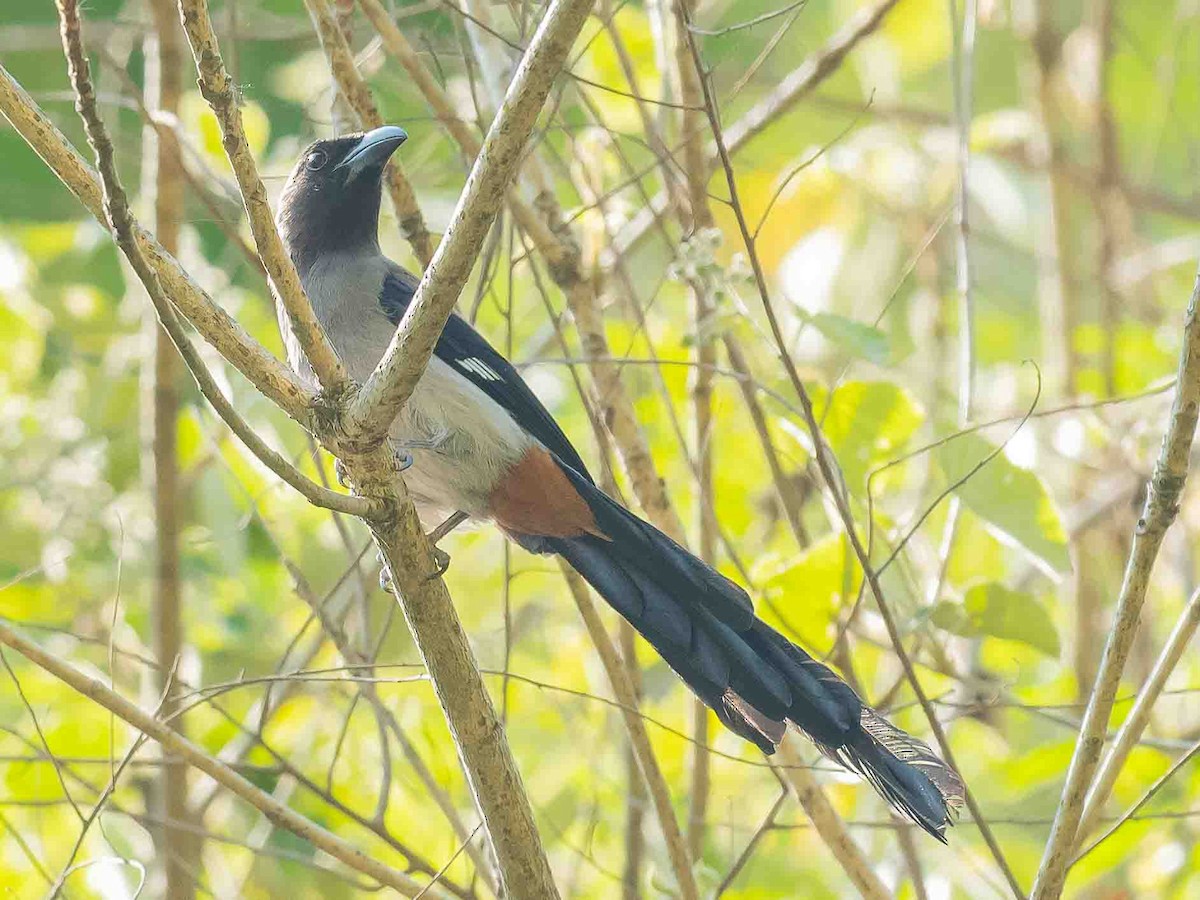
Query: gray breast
{"type": "Point", "coordinates": [479, 439]}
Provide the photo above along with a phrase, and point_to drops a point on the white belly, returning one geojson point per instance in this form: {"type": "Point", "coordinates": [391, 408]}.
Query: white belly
{"type": "Point", "coordinates": [480, 440]}
{"type": "Point", "coordinates": [480, 443]}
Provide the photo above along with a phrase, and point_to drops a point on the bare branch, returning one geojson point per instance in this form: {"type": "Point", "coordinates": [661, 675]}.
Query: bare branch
{"type": "Point", "coordinates": [554, 243]}
{"type": "Point", "coordinates": [830, 475]}
{"type": "Point", "coordinates": [697, 218]}
{"type": "Point", "coordinates": [398, 47]}
{"type": "Point", "coordinates": [1162, 505]}
{"type": "Point", "coordinates": [164, 69]}
{"type": "Point", "coordinates": [393, 380]}
{"type": "Point", "coordinates": [656, 784]}
{"type": "Point", "coordinates": [224, 334]}
{"type": "Point", "coordinates": [1058, 298]}
{"type": "Point", "coordinates": [219, 90]}
{"type": "Point", "coordinates": [274, 379]}
{"type": "Point", "coordinates": [829, 825]}
{"type": "Point", "coordinates": [1135, 723]}
{"type": "Point", "coordinates": [278, 814]}
{"type": "Point", "coordinates": [799, 83]}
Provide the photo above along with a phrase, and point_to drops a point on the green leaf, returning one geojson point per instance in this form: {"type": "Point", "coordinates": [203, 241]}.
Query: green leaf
{"type": "Point", "coordinates": [866, 424]}
{"type": "Point", "coordinates": [803, 598]}
{"type": "Point", "coordinates": [1012, 501]}
{"type": "Point", "coordinates": [856, 338]}
{"type": "Point", "coordinates": [992, 610]}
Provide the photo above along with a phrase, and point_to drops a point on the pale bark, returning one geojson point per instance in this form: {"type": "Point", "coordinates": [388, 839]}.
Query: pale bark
{"type": "Point", "coordinates": [1162, 505]}
{"type": "Point", "coordinates": [829, 825]}
{"type": "Point", "coordinates": [635, 727]}
{"type": "Point", "coordinates": [179, 851]}
{"type": "Point", "coordinates": [393, 380]}
{"type": "Point", "coordinates": [220, 90]}
{"type": "Point", "coordinates": [478, 733]}
{"type": "Point", "coordinates": [269, 375]}
{"type": "Point", "coordinates": [184, 749]}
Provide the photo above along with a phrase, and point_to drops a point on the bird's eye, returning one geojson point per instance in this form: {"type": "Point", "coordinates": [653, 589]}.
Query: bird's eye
{"type": "Point", "coordinates": [316, 160]}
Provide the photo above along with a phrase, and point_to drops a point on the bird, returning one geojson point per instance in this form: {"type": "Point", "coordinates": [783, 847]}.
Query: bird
{"type": "Point", "coordinates": [480, 446]}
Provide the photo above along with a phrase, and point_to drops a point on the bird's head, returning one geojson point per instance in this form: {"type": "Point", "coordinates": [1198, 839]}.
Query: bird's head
{"type": "Point", "coordinates": [331, 200]}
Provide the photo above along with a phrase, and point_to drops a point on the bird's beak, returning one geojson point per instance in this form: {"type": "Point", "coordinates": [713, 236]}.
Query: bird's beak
{"type": "Point", "coordinates": [373, 150]}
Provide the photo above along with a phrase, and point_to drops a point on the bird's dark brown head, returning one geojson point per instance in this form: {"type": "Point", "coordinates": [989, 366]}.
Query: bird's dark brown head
{"type": "Point", "coordinates": [331, 201]}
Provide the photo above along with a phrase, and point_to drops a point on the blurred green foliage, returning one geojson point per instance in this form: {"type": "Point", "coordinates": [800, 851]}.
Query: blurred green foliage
{"type": "Point", "coordinates": [860, 249]}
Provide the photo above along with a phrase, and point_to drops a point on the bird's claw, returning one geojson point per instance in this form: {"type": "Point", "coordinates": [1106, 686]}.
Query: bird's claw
{"type": "Point", "coordinates": [403, 452]}
{"type": "Point", "coordinates": [343, 477]}
{"type": "Point", "coordinates": [385, 580]}
{"type": "Point", "coordinates": [441, 561]}
{"type": "Point", "coordinates": [441, 558]}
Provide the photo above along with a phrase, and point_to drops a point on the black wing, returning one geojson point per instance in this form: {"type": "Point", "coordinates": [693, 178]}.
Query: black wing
{"type": "Point", "coordinates": [465, 351]}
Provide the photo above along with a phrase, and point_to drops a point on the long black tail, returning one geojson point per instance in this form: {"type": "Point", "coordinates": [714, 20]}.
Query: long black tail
{"type": "Point", "coordinates": [754, 678]}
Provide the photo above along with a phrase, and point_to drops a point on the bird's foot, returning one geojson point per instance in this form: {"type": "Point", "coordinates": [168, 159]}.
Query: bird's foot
{"type": "Point", "coordinates": [404, 451]}
{"type": "Point", "coordinates": [385, 576]}
{"type": "Point", "coordinates": [441, 558]}
{"type": "Point", "coordinates": [441, 562]}
{"type": "Point", "coordinates": [343, 477]}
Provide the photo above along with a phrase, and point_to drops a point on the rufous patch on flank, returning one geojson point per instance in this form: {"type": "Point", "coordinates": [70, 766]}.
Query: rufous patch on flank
{"type": "Point", "coordinates": [536, 497]}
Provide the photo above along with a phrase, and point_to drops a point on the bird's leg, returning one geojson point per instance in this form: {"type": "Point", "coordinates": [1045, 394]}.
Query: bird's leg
{"type": "Point", "coordinates": [343, 477]}
{"type": "Point", "coordinates": [404, 449]}
{"type": "Point", "coordinates": [440, 557]}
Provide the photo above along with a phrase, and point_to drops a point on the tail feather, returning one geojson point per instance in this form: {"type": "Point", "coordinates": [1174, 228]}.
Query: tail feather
{"type": "Point", "coordinates": [904, 771]}
{"type": "Point", "coordinates": [755, 679]}
{"type": "Point", "coordinates": [635, 541]}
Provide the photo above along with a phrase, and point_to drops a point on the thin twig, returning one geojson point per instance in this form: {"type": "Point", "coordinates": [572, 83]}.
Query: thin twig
{"type": "Point", "coordinates": [829, 826]}
{"type": "Point", "coordinates": [280, 815]}
{"type": "Point", "coordinates": [393, 380]}
{"type": "Point", "coordinates": [829, 473]}
{"type": "Point", "coordinates": [352, 86]}
{"type": "Point", "coordinates": [270, 376]}
{"type": "Point", "coordinates": [1151, 792]}
{"type": "Point", "coordinates": [164, 88]}
{"type": "Point", "coordinates": [697, 219]}
{"type": "Point", "coordinates": [1135, 723]}
{"type": "Point", "coordinates": [546, 227]}
{"type": "Point", "coordinates": [794, 87]}
{"type": "Point", "coordinates": [219, 89]}
{"type": "Point", "coordinates": [1162, 505]}
{"type": "Point", "coordinates": [656, 784]}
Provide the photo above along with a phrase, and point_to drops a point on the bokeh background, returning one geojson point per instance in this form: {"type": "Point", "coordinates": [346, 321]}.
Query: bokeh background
{"type": "Point", "coordinates": [1083, 206]}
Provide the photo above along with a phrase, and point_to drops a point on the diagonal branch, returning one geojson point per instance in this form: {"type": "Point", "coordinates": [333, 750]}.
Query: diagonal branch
{"type": "Point", "coordinates": [219, 90]}
{"type": "Point", "coordinates": [802, 80]}
{"type": "Point", "coordinates": [639, 739]}
{"type": "Point", "coordinates": [1139, 716]}
{"type": "Point", "coordinates": [795, 86]}
{"type": "Point", "coordinates": [545, 227]}
{"type": "Point", "coordinates": [830, 475]}
{"type": "Point", "coordinates": [393, 380]}
{"type": "Point", "coordinates": [478, 734]}
{"type": "Point", "coordinates": [269, 375]}
{"type": "Point", "coordinates": [829, 824]}
{"type": "Point", "coordinates": [1162, 505]}
{"type": "Point", "coordinates": [184, 749]}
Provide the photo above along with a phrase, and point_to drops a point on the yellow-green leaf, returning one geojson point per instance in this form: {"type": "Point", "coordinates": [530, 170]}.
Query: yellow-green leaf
{"type": "Point", "coordinates": [992, 610]}
{"type": "Point", "coordinates": [1013, 501]}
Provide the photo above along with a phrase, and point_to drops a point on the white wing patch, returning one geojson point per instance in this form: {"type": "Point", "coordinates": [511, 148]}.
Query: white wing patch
{"type": "Point", "coordinates": [480, 368]}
